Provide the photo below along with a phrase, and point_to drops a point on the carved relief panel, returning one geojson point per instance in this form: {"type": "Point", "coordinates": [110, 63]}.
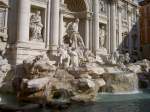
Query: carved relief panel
{"type": "Point", "coordinates": [103, 7]}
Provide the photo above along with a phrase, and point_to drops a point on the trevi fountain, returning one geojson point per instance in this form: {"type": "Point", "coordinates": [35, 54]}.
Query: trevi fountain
{"type": "Point", "coordinates": [72, 56]}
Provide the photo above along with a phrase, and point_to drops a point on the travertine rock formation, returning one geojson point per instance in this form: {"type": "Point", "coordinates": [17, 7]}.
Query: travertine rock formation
{"type": "Point", "coordinates": [45, 81]}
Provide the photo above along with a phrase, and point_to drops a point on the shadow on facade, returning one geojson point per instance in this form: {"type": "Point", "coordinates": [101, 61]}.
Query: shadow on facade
{"type": "Point", "coordinates": [131, 43]}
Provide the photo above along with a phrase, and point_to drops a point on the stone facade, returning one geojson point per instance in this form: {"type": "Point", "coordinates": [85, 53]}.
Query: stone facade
{"type": "Point", "coordinates": [145, 27]}
{"type": "Point", "coordinates": [105, 25]}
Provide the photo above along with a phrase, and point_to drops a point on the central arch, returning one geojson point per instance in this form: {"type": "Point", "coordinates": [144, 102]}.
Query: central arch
{"type": "Point", "coordinates": [77, 5]}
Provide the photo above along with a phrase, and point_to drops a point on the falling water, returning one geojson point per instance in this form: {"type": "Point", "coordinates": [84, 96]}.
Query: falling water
{"type": "Point", "coordinates": [121, 83]}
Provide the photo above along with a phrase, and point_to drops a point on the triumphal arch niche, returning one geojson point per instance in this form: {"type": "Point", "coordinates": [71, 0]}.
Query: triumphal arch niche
{"type": "Point", "coordinates": [71, 11]}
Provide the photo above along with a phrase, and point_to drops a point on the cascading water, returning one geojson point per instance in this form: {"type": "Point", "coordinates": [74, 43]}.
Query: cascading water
{"type": "Point", "coordinates": [121, 83]}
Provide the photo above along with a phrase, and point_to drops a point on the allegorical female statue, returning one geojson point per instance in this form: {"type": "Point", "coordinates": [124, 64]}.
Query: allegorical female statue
{"type": "Point", "coordinates": [102, 36]}
{"type": "Point", "coordinates": [36, 26]}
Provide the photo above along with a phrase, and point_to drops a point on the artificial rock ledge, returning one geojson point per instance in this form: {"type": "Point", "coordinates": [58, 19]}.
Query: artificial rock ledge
{"type": "Point", "coordinates": [39, 80]}
{"type": "Point", "coordinates": [44, 82]}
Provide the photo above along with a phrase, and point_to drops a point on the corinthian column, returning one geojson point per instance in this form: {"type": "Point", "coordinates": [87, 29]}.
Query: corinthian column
{"type": "Point", "coordinates": [23, 20]}
{"type": "Point", "coordinates": [87, 34]}
{"type": "Point", "coordinates": [96, 25]}
{"type": "Point", "coordinates": [48, 23]}
{"type": "Point", "coordinates": [54, 25]}
{"type": "Point", "coordinates": [120, 24]}
{"type": "Point", "coordinates": [61, 24]}
{"type": "Point", "coordinates": [113, 26]}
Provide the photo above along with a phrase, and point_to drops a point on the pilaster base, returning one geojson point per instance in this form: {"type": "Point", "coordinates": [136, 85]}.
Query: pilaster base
{"type": "Point", "coordinates": [24, 50]}
{"type": "Point", "coordinates": [52, 52]}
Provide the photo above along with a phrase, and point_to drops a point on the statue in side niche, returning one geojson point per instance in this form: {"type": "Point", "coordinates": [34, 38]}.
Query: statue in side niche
{"type": "Point", "coordinates": [102, 36]}
{"type": "Point", "coordinates": [75, 38]}
{"type": "Point", "coordinates": [36, 27]}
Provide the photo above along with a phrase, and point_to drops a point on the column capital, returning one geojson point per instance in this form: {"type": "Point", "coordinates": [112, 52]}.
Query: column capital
{"type": "Point", "coordinates": [89, 15]}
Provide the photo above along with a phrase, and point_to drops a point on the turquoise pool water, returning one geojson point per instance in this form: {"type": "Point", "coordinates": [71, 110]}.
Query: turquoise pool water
{"type": "Point", "coordinates": [105, 103]}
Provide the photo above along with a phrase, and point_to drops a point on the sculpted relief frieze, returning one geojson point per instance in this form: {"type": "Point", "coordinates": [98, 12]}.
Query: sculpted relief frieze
{"type": "Point", "coordinates": [102, 7]}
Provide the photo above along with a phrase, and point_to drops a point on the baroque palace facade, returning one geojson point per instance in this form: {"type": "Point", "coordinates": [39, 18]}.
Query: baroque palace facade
{"type": "Point", "coordinates": [37, 26]}
{"type": "Point", "coordinates": [145, 27]}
